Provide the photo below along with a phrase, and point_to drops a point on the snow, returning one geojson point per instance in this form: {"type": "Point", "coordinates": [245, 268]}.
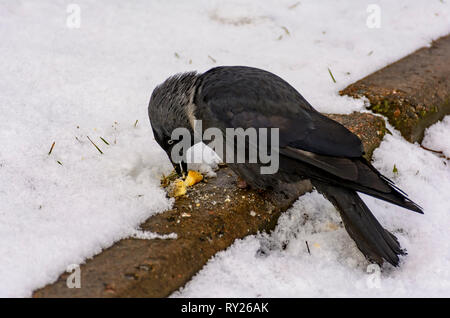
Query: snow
{"type": "Point", "coordinates": [438, 136]}
{"type": "Point", "coordinates": [147, 235]}
{"type": "Point", "coordinates": [61, 85]}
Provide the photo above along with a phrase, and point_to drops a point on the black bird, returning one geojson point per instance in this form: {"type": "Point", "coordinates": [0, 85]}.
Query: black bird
{"type": "Point", "coordinates": [311, 146]}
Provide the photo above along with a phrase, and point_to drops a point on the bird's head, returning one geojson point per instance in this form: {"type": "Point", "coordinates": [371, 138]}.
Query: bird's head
{"type": "Point", "coordinates": [170, 108]}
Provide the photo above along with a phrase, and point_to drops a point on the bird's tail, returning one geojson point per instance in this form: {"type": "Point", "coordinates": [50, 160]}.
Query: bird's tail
{"type": "Point", "coordinates": [375, 242]}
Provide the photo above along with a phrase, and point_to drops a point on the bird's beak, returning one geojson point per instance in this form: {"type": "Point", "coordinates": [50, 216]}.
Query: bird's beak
{"type": "Point", "coordinates": [180, 168]}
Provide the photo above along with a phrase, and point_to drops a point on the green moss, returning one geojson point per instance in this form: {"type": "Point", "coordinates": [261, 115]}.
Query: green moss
{"type": "Point", "coordinates": [376, 108]}
{"type": "Point", "coordinates": [381, 108]}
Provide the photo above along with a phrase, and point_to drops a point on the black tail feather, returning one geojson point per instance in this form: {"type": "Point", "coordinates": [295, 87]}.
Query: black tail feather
{"type": "Point", "coordinates": [397, 196]}
{"type": "Point", "coordinates": [394, 195]}
{"type": "Point", "coordinates": [402, 198]}
{"type": "Point", "coordinates": [375, 242]}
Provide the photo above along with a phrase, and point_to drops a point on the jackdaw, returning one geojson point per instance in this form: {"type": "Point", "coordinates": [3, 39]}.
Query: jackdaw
{"type": "Point", "coordinates": [311, 146]}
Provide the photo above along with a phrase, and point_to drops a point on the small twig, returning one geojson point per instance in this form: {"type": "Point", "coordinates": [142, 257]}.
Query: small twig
{"type": "Point", "coordinates": [95, 145]}
{"type": "Point", "coordinates": [51, 149]}
{"type": "Point", "coordinates": [331, 74]}
{"type": "Point", "coordinates": [307, 246]}
{"type": "Point", "coordinates": [440, 153]}
{"type": "Point", "coordinates": [135, 124]}
{"type": "Point", "coordinates": [59, 162]}
{"type": "Point", "coordinates": [436, 151]}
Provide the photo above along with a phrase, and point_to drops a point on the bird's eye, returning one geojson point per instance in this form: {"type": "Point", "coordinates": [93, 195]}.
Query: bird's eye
{"type": "Point", "coordinates": [170, 141]}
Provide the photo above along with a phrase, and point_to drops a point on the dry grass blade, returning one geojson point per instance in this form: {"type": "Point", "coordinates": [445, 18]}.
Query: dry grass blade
{"type": "Point", "coordinates": [286, 30]}
{"type": "Point", "coordinates": [104, 141]}
{"type": "Point", "coordinates": [212, 59]}
{"type": "Point", "coordinates": [166, 180]}
{"type": "Point", "coordinates": [331, 74]}
{"type": "Point", "coordinates": [95, 145]}
{"type": "Point", "coordinates": [294, 5]}
{"type": "Point", "coordinates": [51, 149]}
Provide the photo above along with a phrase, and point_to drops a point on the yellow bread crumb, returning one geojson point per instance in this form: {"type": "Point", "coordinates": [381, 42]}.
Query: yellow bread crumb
{"type": "Point", "coordinates": [192, 178]}
{"type": "Point", "coordinates": [178, 187]}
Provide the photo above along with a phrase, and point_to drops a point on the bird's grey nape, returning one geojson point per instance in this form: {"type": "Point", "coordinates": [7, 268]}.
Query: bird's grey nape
{"type": "Point", "coordinates": [171, 104]}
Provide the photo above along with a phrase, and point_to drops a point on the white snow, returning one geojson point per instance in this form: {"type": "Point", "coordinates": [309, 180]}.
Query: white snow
{"type": "Point", "coordinates": [146, 235]}
{"type": "Point", "coordinates": [438, 136]}
{"type": "Point", "coordinates": [99, 78]}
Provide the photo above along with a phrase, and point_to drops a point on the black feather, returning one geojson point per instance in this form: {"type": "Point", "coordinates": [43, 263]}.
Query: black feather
{"type": "Point", "coordinates": [375, 242]}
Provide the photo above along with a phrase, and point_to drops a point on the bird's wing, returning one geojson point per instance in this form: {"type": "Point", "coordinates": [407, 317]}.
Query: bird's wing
{"type": "Point", "coordinates": [232, 97]}
{"type": "Point", "coordinates": [355, 170]}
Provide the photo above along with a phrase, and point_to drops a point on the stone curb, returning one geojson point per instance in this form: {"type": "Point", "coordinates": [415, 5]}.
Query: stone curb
{"type": "Point", "coordinates": [207, 220]}
{"type": "Point", "coordinates": [413, 93]}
